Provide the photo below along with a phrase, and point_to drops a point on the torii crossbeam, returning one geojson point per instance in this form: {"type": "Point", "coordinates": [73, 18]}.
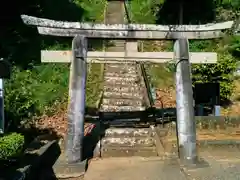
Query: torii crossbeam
{"type": "Point", "coordinates": [129, 31]}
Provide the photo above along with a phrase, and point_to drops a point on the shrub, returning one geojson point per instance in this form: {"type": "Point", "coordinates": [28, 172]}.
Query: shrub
{"type": "Point", "coordinates": [11, 145]}
{"type": "Point", "coordinates": [144, 11]}
{"type": "Point", "coordinates": [221, 72]}
{"type": "Point", "coordinates": [33, 92]}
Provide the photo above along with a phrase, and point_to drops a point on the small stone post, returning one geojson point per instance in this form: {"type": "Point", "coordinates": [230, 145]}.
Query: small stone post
{"type": "Point", "coordinates": [4, 73]}
{"type": "Point", "coordinates": [2, 118]}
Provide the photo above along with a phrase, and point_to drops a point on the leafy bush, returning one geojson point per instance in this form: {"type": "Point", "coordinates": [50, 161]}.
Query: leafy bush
{"type": "Point", "coordinates": [94, 9]}
{"type": "Point", "coordinates": [11, 145]}
{"type": "Point", "coordinates": [144, 11]}
{"type": "Point", "coordinates": [234, 46]}
{"type": "Point", "coordinates": [222, 71]}
{"type": "Point", "coordinates": [33, 92]}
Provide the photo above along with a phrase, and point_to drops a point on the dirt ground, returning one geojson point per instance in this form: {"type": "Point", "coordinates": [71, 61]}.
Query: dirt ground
{"type": "Point", "coordinates": [233, 134]}
{"type": "Point", "coordinates": [58, 124]}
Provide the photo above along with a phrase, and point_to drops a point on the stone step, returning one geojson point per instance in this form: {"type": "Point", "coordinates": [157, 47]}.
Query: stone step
{"type": "Point", "coordinates": [129, 132]}
{"type": "Point", "coordinates": [121, 75]}
{"type": "Point", "coordinates": [113, 14]}
{"type": "Point", "coordinates": [121, 83]}
{"type": "Point", "coordinates": [116, 49]}
{"type": "Point", "coordinates": [117, 42]}
{"type": "Point", "coordinates": [129, 66]}
{"type": "Point", "coordinates": [122, 102]}
{"type": "Point", "coordinates": [121, 119]}
{"type": "Point", "coordinates": [123, 89]}
{"type": "Point", "coordinates": [111, 108]}
{"type": "Point", "coordinates": [121, 79]}
{"type": "Point", "coordinates": [121, 70]}
{"type": "Point", "coordinates": [123, 123]}
{"type": "Point", "coordinates": [123, 95]}
{"type": "Point", "coordinates": [128, 152]}
{"type": "Point", "coordinates": [127, 142]}
{"type": "Point", "coordinates": [128, 146]}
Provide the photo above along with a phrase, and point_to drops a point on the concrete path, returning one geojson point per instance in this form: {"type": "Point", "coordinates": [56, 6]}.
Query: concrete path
{"type": "Point", "coordinates": [134, 168]}
{"type": "Point", "coordinates": [224, 164]}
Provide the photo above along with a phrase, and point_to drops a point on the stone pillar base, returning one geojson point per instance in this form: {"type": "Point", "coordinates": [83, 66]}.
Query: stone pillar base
{"type": "Point", "coordinates": [63, 169]}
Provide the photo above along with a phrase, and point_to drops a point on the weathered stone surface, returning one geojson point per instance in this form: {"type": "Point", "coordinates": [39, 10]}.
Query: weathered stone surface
{"type": "Point", "coordinates": [122, 102]}
{"type": "Point", "coordinates": [121, 68]}
{"type": "Point", "coordinates": [121, 83]}
{"type": "Point", "coordinates": [135, 132]}
{"type": "Point", "coordinates": [121, 75]}
{"type": "Point", "coordinates": [121, 88]}
{"type": "Point", "coordinates": [125, 79]}
{"type": "Point", "coordinates": [112, 108]}
{"type": "Point", "coordinates": [120, 142]}
{"type": "Point", "coordinates": [128, 67]}
{"type": "Point", "coordinates": [116, 34]}
{"type": "Point", "coordinates": [30, 20]}
{"type": "Point", "coordinates": [129, 95]}
{"type": "Point", "coordinates": [128, 141]}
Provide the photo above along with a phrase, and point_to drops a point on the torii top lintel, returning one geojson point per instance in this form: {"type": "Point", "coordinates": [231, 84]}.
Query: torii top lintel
{"type": "Point", "coordinates": [129, 31]}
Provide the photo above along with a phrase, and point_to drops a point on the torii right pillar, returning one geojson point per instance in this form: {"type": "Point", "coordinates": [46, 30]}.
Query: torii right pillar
{"type": "Point", "coordinates": [186, 127]}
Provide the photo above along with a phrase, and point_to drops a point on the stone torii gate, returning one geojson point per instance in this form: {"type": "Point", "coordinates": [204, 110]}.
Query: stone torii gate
{"type": "Point", "coordinates": [79, 57]}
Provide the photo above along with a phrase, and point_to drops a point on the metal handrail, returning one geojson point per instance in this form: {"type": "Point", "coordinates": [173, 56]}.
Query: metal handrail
{"type": "Point", "coordinates": [147, 84]}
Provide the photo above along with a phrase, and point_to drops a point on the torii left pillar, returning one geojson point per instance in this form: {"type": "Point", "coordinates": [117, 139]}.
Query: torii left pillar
{"type": "Point", "coordinates": [72, 162]}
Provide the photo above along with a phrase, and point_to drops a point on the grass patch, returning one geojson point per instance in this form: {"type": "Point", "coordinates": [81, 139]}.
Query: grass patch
{"type": "Point", "coordinates": [160, 76]}
{"type": "Point", "coordinates": [94, 84]}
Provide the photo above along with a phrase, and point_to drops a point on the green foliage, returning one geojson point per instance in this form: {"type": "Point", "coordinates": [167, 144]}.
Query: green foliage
{"type": "Point", "coordinates": [94, 84]}
{"type": "Point", "coordinates": [94, 9]}
{"type": "Point", "coordinates": [144, 11]}
{"type": "Point", "coordinates": [222, 72]}
{"type": "Point", "coordinates": [11, 145]}
{"type": "Point", "coordinates": [228, 51]}
{"type": "Point", "coordinates": [160, 76]}
{"type": "Point", "coordinates": [234, 46]}
{"type": "Point", "coordinates": [34, 89]}
{"type": "Point", "coordinates": [226, 4]}
{"type": "Point", "coordinates": [33, 92]}
{"type": "Point", "coordinates": [42, 89]}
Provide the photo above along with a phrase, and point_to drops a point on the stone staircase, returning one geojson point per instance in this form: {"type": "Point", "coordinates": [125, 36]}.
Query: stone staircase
{"type": "Point", "coordinates": [123, 89]}
{"type": "Point", "coordinates": [124, 93]}
{"type": "Point", "coordinates": [122, 142]}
